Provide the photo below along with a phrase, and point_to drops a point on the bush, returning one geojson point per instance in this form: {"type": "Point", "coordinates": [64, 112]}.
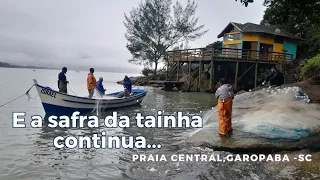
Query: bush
{"type": "Point", "coordinates": [147, 71]}
{"type": "Point", "coordinates": [311, 68]}
{"type": "Point", "coordinates": [298, 74]}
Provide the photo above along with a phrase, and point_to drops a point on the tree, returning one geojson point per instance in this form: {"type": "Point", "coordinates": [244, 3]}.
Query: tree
{"type": "Point", "coordinates": [215, 45]}
{"type": "Point", "coordinates": [246, 2]}
{"type": "Point", "coordinates": [301, 18]}
{"type": "Point", "coordinates": [152, 30]}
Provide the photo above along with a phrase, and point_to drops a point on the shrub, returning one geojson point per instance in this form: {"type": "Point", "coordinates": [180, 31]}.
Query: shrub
{"type": "Point", "coordinates": [311, 68]}
{"type": "Point", "coordinates": [147, 71]}
{"type": "Point", "coordinates": [298, 74]}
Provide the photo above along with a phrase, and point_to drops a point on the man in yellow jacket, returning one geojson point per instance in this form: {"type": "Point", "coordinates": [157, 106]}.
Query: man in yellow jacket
{"type": "Point", "coordinates": [91, 83]}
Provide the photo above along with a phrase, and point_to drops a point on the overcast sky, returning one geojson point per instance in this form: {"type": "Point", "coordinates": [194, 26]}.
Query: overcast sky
{"type": "Point", "coordinates": [87, 33]}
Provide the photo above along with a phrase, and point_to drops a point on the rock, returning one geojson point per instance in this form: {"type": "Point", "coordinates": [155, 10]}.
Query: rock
{"type": "Point", "coordinates": [311, 87]}
{"type": "Point", "coordinates": [240, 92]}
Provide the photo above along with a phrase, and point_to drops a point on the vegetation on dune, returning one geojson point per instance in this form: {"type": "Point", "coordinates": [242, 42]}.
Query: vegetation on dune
{"type": "Point", "coordinates": [152, 29]}
{"type": "Point", "coordinates": [311, 68]}
{"type": "Point", "coordinates": [215, 45]}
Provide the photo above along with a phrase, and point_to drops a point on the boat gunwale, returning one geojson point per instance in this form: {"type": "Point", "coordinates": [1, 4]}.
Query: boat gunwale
{"type": "Point", "coordinates": [144, 92]}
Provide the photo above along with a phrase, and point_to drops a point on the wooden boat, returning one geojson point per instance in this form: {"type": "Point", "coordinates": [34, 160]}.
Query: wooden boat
{"type": "Point", "coordinates": [57, 103]}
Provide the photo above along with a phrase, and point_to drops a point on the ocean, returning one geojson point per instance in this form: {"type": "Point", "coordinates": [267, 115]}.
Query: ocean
{"type": "Point", "coordinates": [29, 153]}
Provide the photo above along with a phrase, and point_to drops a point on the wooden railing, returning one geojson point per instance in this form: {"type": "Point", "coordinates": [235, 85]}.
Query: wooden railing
{"type": "Point", "coordinates": [201, 54]}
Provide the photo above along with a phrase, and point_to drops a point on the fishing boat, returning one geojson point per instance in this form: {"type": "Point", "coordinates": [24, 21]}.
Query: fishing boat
{"type": "Point", "coordinates": [58, 103]}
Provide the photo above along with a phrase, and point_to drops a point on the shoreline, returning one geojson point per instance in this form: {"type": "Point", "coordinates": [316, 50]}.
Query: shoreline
{"type": "Point", "coordinates": [310, 86]}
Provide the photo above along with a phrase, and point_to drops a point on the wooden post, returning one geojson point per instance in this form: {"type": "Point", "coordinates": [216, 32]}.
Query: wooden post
{"type": "Point", "coordinates": [200, 69]}
{"type": "Point", "coordinates": [211, 74]}
{"type": "Point", "coordinates": [212, 69]}
{"type": "Point", "coordinates": [256, 75]}
{"type": "Point", "coordinates": [178, 64]}
{"type": "Point", "coordinates": [189, 78]}
{"type": "Point", "coordinates": [236, 76]}
{"type": "Point", "coordinates": [167, 66]}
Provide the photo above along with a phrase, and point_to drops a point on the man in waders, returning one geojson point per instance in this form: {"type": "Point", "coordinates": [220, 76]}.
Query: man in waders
{"type": "Point", "coordinates": [225, 96]}
{"type": "Point", "coordinates": [62, 81]}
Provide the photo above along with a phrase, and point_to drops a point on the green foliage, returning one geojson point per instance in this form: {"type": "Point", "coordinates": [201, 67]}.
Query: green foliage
{"type": "Point", "coordinates": [215, 45]}
{"type": "Point", "coordinates": [146, 71]}
{"type": "Point", "coordinates": [298, 74]}
{"type": "Point", "coordinates": [152, 29]}
{"type": "Point", "coordinates": [265, 2]}
{"type": "Point", "coordinates": [301, 18]}
{"type": "Point", "coordinates": [246, 2]}
{"type": "Point", "coordinates": [311, 68]}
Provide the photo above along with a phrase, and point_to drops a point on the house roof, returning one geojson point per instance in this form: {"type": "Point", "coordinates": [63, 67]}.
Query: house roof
{"type": "Point", "coordinates": [256, 28]}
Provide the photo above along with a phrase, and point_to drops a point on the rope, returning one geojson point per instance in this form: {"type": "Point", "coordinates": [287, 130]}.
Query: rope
{"type": "Point", "coordinates": [26, 93]}
{"type": "Point", "coordinates": [29, 97]}
{"type": "Point", "coordinates": [74, 94]}
{"type": "Point", "coordinates": [71, 90]}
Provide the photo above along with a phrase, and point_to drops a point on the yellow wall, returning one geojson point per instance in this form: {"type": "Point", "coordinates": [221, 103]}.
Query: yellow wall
{"type": "Point", "coordinates": [232, 33]}
{"type": "Point", "coordinates": [232, 42]}
{"type": "Point", "coordinates": [250, 37]}
{"type": "Point", "coordinates": [277, 47]}
{"type": "Point", "coordinates": [266, 39]}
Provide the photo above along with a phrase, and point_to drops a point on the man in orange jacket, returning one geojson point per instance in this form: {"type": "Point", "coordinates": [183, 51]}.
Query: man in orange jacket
{"type": "Point", "coordinates": [91, 82]}
{"type": "Point", "coordinates": [225, 96]}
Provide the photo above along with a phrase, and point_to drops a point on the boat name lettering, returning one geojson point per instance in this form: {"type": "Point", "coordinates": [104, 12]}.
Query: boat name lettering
{"type": "Point", "coordinates": [49, 92]}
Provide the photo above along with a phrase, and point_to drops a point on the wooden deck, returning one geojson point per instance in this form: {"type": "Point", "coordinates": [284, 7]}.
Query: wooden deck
{"type": "Point", "coordinates": [227, 54]}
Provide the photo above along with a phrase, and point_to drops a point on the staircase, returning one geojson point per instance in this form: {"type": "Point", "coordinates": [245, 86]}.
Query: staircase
{"type": "Point", "coordinates": [290, 69]}
{"type": "Point", "coordinates": [172, 71]}
{"type": "Point", "coordinates": [290, 78]}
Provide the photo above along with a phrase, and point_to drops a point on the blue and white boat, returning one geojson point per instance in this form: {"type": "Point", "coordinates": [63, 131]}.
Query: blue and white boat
{"type": "Point", "coordinates": [57, 103]}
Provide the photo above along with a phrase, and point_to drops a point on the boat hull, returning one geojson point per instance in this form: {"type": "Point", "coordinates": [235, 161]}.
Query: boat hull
{"type": "Point", "coordinates": [57, 103]}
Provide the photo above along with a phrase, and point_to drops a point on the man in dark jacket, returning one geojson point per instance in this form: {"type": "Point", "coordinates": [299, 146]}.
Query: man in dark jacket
{"type": "Point", "coordinates": [62, 81]}
{"type": "Point", "coordinates": [276, 78]}
{"type": "Point", "coordinates": [127, 84]}
{"type": "Point", "coordinates": [101, 90]}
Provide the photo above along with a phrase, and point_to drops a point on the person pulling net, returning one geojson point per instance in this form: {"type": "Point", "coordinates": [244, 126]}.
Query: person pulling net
{"type": "Point", "coordinates": [127, 84]}
{"type": "Point", "coordinates": [275, 79]}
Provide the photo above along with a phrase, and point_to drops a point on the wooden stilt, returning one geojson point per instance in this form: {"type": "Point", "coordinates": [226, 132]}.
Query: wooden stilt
{"type": "Point", "coordinates": [200, 69]}
{"type": "Point", "coordinates": [256, 75]}
{"type": "Point", "coordinates": [189, 77]}
{"type": "Point", "coordinates": [211, 75]}
{"type": "Point", "coordinates": [236, 76]}
{"type": "Point", "coordinates": [178, 67]}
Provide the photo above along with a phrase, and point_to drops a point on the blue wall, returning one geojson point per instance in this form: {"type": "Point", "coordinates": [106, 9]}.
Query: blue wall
{"type": "Point", "coordinates": [291, 47]}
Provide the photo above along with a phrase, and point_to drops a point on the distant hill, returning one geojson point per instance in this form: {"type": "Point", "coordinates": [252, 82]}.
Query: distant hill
{"type": "Point", "coordinates": [73, 67]}
{"type": "Point", "coordinates": [7, 65]}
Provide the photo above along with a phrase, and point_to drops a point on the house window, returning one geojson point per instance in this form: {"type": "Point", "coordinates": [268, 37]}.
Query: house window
{"type": "Point", "coordinates": [232, 37]}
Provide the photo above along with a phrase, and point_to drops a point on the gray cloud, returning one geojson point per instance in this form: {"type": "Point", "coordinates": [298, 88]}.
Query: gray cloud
{"type": "Point", "coordinates": [79, 33]}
